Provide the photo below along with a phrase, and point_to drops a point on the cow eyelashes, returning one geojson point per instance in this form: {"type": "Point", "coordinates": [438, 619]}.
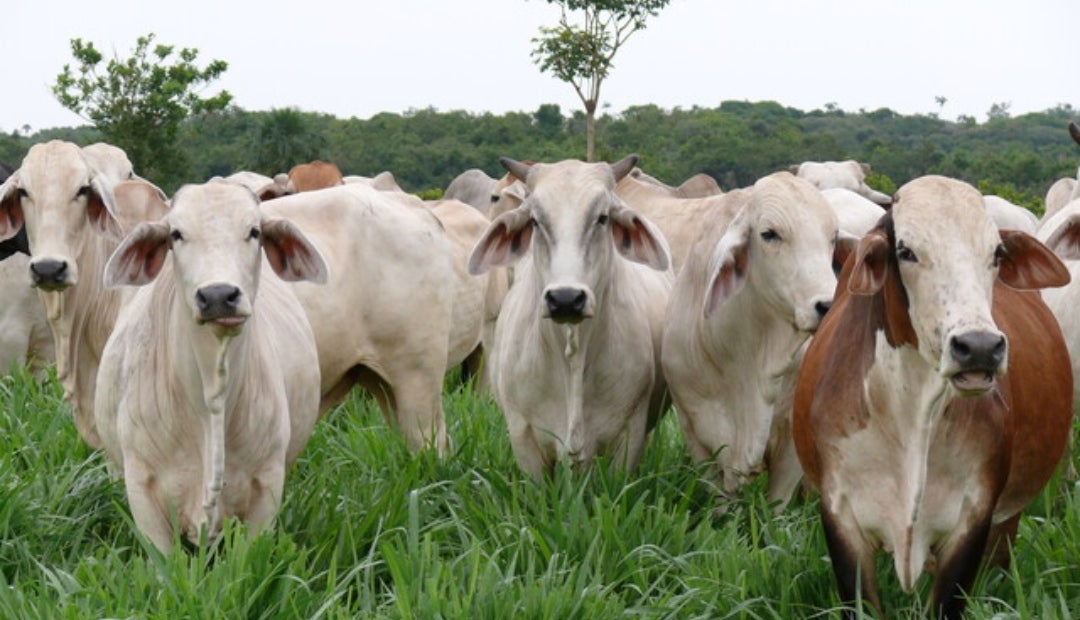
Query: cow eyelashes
{"type": "Point", "coordinates": [905, 254]}
{"type": "Point", "coordinates": [770, 235]}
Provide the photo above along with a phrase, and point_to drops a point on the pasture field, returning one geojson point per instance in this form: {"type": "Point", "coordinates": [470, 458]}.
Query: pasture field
{"type": "Point", "coordinates": [367, 531]}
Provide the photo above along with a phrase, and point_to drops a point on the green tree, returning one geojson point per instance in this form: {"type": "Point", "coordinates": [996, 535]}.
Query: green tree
{"type": "Point", "coordinates": [138, 103]}
{"type": "Point", "coordinates": [283, 139]}
{"type": "Point", "coordinates": [582, 54]}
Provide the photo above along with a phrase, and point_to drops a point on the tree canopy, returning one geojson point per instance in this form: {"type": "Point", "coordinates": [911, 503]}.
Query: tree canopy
{"type": "Point", "coordinates": [138, 103]}
{"type": "Point", "coordinates": [582, 54]}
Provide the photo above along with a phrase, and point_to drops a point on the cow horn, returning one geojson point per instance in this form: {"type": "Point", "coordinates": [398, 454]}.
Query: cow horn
{"type": "Point", "coordinates": [516, 168]}
{"type": "Point", "coordinates": [623, 167]}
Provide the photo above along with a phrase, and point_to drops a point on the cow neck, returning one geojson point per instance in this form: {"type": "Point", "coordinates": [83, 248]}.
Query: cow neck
{"type": "Point", "coordinates": [81, 319]}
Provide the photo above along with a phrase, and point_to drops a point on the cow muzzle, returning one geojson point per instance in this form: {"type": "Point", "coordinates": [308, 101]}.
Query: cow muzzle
{"type": "Point", "coordinates": [977, 358]}
{"type": "Point", "coordinates": [51, 274]}
{"type": "Point", "coordinates": [220, 304]}
{"type": "Point", "coordinates": [567, 304]}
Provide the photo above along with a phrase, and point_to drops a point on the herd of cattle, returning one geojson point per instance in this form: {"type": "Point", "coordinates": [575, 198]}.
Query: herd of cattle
{"type": "Point", "coordinates": [907, 356]}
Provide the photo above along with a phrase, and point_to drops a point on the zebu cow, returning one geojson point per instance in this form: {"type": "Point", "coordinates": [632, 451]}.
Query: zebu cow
{"type": "Point", "coordinates": [207, 392]}
{"type": "Point", "coordinates": [383, 321]}
{"type": "Point", "coordinates": [473, 187]}
{"type": "Point", "coordinates": [849, 175]}
{"type": "Point", "coordinates": [934, 402]}
{"type": "Point", "coordinates": [63, 196]}
{"type": "Point", "coordinates": [679, 219]}
{"type": "Point", "coordinates": [575, 359]}
{"type": "Point", "coordinates": [698, 186]}
{"type": "Point", "coordinates": [755, 285]}
{"type": "Point", "coordinates": [314, 175]}
{"type": "Point", "coordinates": [24, 331]}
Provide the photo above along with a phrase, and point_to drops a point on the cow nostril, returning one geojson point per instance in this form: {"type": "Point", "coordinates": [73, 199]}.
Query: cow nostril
{"type": "Point", "coordinates": [982, 350]}
{"type": "Point", "coordinates": [217, 299]}
{"type": "Point", "coordinates": [822, 307]}
{"type": "Point", "coordinates": [566, 302]}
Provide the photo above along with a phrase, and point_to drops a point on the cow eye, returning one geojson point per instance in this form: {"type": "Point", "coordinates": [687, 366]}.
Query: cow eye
{"type": "Point", "coordinates": [905, 254]}
{"type": "Point", "coordinates": [494, 198]}
{"type": "Point", "coordinates": [23, 193]}
{"type": "Point", "coordinates": [175, 235]}
{"type": "Point", "coordinates": [602, 220]}
{"type": "Point", "coordinates": [253, 233]}
{"type": "Point", "coordinates": [83, 191]}
{"type": "Point", "coordinates": [999, 254]}
{"type": "Point", "coordinates": [770, 235]}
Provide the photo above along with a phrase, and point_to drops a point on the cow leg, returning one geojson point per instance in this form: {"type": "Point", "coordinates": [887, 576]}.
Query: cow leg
{"type": "Point", "coordinates": [266, 492]}
{"type": "Point", "coordinates": [630, 446]}
{"type": "Point", "coordinates": [782, 463]}
{"type": "Point", "coordinates": [151, 517]}
{"type": "Point", "coordinates": [999, 542]}
{"type": "Point", "coordinates": [959, 564]}
{"type": "Point", "coordinates": [419, 412]}
{"type": "Point", "coordinates": [853, 564]}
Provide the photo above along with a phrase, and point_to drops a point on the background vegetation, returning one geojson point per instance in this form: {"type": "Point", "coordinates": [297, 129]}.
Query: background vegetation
{"type": "Point", "coordinates": [736, 142]}
{"type": "Point", "coordinates": [368, 531]}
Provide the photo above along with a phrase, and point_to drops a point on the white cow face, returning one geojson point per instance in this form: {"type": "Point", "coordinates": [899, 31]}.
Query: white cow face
{"type": "Point", "coordinates": [59, 197]}
{"type": "Point", "coordinates": [948, 254]}
{"type": "Point", "coordinates": [216, 233]}
{"type": "Point", "coordinates": [782, 245]}
{"type": "Point", "coordinates": [574, 224]}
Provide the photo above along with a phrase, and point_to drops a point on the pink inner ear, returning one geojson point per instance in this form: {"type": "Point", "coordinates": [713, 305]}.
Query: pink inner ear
{"type": "Point", "coordinates": [729, 280]}
{"type": "Point", "coordinates": [11, 218]}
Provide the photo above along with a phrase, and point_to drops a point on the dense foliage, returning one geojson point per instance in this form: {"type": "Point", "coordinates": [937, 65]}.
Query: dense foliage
{"type": "Point", "coordinates": [736, 142]}
{"type": "Point", "coordinates": [138, 103]}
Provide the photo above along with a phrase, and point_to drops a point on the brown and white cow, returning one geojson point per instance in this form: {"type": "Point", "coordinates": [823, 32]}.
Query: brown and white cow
{"type": "Point", "coordinates": [934, 402]}
{"type": "Point", "coordinates": [209, 384]}
{"type": "Point", "coordinates": [575, 362]}
{"type": "Point", "coordinates": [64, 197]}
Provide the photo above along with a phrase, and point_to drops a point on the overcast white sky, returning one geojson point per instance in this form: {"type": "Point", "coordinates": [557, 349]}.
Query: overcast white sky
{"type": "Point", "coordinates": [359, 58]}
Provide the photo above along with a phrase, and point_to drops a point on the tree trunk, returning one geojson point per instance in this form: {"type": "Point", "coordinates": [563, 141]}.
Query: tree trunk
{"type": "Point", "coordinates": [590, 130]}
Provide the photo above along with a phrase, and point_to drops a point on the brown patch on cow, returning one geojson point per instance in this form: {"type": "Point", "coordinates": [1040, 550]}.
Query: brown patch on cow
{"type": "Point", "coordinates": [315, 175]}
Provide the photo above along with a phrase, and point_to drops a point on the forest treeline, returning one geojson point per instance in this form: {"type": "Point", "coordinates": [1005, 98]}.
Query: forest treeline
{"type": "Point", "coordinates": [736, 142]}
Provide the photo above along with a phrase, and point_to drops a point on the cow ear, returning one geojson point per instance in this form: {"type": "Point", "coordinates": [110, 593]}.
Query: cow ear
{"type": "Point", "coordinates": [1028, 264]}
{"type": "Point", "coordinates": [1065, 238]}
{"type": "Point", "coordinates": [638, 240]}
{"type": "Point", "coordinates": [506, 240]}
{"type": "Point", "coordinates": [101, 209]}
{"type": "Point", "coordinates": [291, 255]}
{"type": "Point", "coordinates": [871, 263]}
{"type": "Point", "coordinates": [138, 201]}
{"type": "Point", "coordinates": [729, 264]}
{"type": "Point", "coordinates": [139, 257]}
{"type": "Point", "coordinates": [846, 245]}
{"type": "Point", "coordinates": [11, 213]}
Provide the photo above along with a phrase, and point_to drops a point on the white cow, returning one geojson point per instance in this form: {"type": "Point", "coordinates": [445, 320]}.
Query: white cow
{"type": "Point", "coordinates": [1060, 194]}
{"type": "Point", "coordinates": [755, 285]}
{"type": "Point", "coordinates": [855, 214]}
{"type": "Point", "coordinates": [63, 195]}
{"type": "Point", "coordinates": [698, 186]}
{"type": "Point", "coordinates": [383, 322]}
{"type": "Point", "coordinates": [575, 360]}
{"type": "Point", "coordinates": [209, 384]}
{"type": "Point", "coordinates": [679, 219]}
{"type": "Point", "coordinates": [473, 187]}
{"type": "Point", "coordinates": [1061, 233]}
{"type": "Point", "coordinates": [477, 299]}
{"type": "Point", "coordinates": [1008, 215]}
{"type": "Point", "coordinates": [25, 339]}
{"type": "Point", "coordinates": [383, 181]}
{"type": "Point", "coordinates": [847, 174]}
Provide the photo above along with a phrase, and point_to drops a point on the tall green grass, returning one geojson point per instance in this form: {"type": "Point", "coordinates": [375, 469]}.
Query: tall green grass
{"type": "Point", "coordinates": [368, 531]}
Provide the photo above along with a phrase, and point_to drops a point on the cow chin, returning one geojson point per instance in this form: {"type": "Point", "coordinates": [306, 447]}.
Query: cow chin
{"type": "Point", "coordinates": [225, 326]}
